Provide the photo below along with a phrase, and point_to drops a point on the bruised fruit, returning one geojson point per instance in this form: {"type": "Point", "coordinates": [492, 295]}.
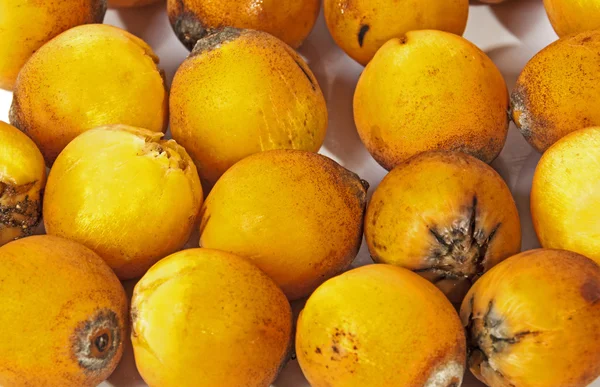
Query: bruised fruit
{"type": "Point", "coordinates": [380, 325]}
{"type": "Point", "coordinates": [565, 195]}
{"type": "Point", "coordinates": [533, 321]}
{"type": "Point", "coordinates": [289, 20]}
{"type": "Point", "coordinates": [241, 92]}
{"type": "Point", "coordinates": [125, 193]}
{"type": "Point", "coordinates": [87, 77]}
{"type": "Point", "coordinates": [431, 90]}
{"type": "Point", "coordinates": [64, 314]}
{"type": "Point", "coordinates": [573, 16]}
{"type": "Point", "coordinates": [130, 3]}
{"type": "Point", "coordinates": [297, 215]}
{"type": "Point", "coordinates": [22, 178]}
{"type": "Point", "coordinates": [361, 27]}
{"type": "Point", "coordinates": [208, 318]}
{"type": "Point", "coordinates": [448, 216]}
{"type": "Point", "coordinates": [26, 25]}
{"type": "Point", "coordinates": [557, 91]}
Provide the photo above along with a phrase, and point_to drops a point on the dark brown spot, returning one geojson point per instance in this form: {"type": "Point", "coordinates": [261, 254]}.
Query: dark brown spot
{"type": "Point", "coordinates": [361, 33]}
{"type": "Point", "coordinates": [318, 350]}
{"type": "Point", "coordinates": [98, 10]}
{"type": "Point", "coordinates": [208, 40]}
{"type": "Point", "coordinates": [96, 341]}
{"type": "Point", "coordinates": [591, 291]}
{"type": "Point", "coordinates": [335, 349]}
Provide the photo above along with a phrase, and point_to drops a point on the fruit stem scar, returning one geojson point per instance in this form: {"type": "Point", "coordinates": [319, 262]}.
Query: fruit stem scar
{"type": "Point", "coordinates": [361, 33]}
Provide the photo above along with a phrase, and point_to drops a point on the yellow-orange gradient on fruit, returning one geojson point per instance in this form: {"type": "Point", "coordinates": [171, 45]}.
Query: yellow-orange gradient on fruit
{"type": "Point", "coordinates": [22, 178]}
{"type": "Point", "coordinates": [26, 25]}
{"type": "Point", "coordinates": [573, 16]}
{"type": "Point", "coordinates": [565, 195]}
{"type": "Point", "coordinates": [361, 27]}
{"type": "Point", "coordinates": [86, 77]}
{"type": "Point", "coordinates": [446, 215]}
{"type": "Point", "coordinates": [241, 92]}
{"type": "Point", "coordinates": [556, 92]}
{"type": "Point", "coordinates": [431, 90]}
{"type": "Point", "coordinates": [63, 313]}
{"type": "Point", "coordinates": [380, 325]}
{"type": "Point", "coordinates": [297, 215]}
{"type": "Point", "coordinates": [130, 3]}
{"type": "Point", "coordinates": [533, 321]}
{"type": "Point", "coordinates": [127, 194]}
{"type": "Point", "coordinates": [289, 20]}
{"type": "Point", "coordinates": [209, 318]}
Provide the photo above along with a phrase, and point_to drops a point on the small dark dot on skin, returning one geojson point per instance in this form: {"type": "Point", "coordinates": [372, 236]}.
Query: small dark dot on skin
{"type": "Point", "coordinates": [101, 342]}
{"type": "Point", "coordinates": [318, 350]}
{"type": "Point", "coordinates": [335, 349]}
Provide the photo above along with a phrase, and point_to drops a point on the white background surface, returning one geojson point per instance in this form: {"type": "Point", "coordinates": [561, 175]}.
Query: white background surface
{"type": "Point", "coordinates": [510, 33]}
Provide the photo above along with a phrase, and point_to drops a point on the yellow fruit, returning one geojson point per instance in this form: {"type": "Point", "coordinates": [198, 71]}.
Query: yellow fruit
{"type": "Point", "coordinates": [533, 321]}
{"type": "Point", "coordinates": [380, 325]}
{"type": "Point", "coordinates": [126, 194]}
{"type": "Point", "coordinates": [447, 216]}
{"type": "Point", "coordinates": [289, 20]}
{"type": "Point", "coordinates": [208, 318]}
{"type": "Point", "coordinates": [361, 27]}
{"type": "Point", "coordinates": [573, 16]}
{"type": "Point", "coordinates": [431, 90]}
{"type": "Point", "coordinates": [63, 313]}
{"type": "Point", "coordinates": [130, 3]}
{"type": "Point", "coordinates": [297, 215]}
{"type": "Point", "coordinates": [22, 178]}
{"type": "Point", "coordinates": [87, 77]}
{"type": "Point", "coordinates": [556, 92]}
{"type": "Point", "coordinates": [241, 92]}
{"type": "Point", "coordinates": [26, 25]}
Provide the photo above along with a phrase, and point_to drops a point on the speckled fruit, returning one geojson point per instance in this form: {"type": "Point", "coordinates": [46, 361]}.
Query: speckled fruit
{"type": "Point", "coordinates": [63, 313]}
{"type": "Point", "coordinates": [431, 90]}
{"type": "Point", "coordinates": [241, 92]}
{"type": "Point", "coordinates": [534, 321]}
{"type": "Point", "coordinates": [130, 3]}
{"type": "Point", "coordinates": [573, 16]}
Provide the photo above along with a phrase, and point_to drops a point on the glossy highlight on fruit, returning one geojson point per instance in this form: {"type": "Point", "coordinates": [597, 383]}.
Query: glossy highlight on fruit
{"type": "Point", "coordinates": [573, 16]}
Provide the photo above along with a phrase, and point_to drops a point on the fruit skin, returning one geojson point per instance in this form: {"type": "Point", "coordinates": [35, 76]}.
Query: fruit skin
{"type": "Point", "coordinates": [57, 301]}
{"type": "Point", "coordinates": [130, 3]}
{"type": "Point", "coordinates": [556, 91]}
{"type": "Point", "coordinates": [380, 325]}
{"type": "Point", "coordinates": [297, 215]}
{"type": "Point", "coordinates": [573, 16]}
{"type": "Point", "coordinates": [289, 20]}
{"type": "Point", "coordinates": [447, 216]}
{"type": "Point", "coordinates": [22, 178]}
{"type": "Point", "coordinates": [26, 25]}
{"type": "Point", "coordinates": [52, 101]}
{"type": "Point", "coordinates": [565, 197]}
{"type": "Point", "coordinates": [536, 316]}
{"type": "Point", "coordinates": [431, 90]}
{"type": "Point", "coordinates": [209, 318]}
{"type": "Point", "coordinates": [361, 27]}
{"type": "Point", "coordinates": [125, 193]}
{"type": "Point", "coordinates": [241, 92]}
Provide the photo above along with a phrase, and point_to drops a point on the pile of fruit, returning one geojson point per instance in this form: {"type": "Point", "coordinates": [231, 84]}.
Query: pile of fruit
{"type": "Point", "coordinates": [276, 221]}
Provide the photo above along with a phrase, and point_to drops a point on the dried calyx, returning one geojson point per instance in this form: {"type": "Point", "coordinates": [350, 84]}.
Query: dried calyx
{"type": "Point", "coordinates": [96, 341]}
{"type": "Point", "coordinates": [20, 209]}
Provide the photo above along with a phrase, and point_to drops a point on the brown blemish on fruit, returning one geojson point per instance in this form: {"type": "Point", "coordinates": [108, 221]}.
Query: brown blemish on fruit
{"type": "Point", "coordinates": [361, 33]}
{"type": "Point", "coordinates": [306, 74]}
{"type": "Point", "coordinates": [188, 28]}
{"type": "Point", "coordinates": [98, 10]}
{"type": "Point", "coordinates": [215, 39]}
{"type": "Point", "coordinates": [17, 209]}
{"type": "Point", "coordinates": [591, 291]}
{"type": "Point", "coordinates": [96, 341]}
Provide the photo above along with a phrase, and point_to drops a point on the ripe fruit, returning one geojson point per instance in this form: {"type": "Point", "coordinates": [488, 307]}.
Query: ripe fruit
{"type": "Point", "coordinates": [297, 215]}
{"type": "Point", "coordinates": [289, 20]}
{"type": "Point", "coordinates": [26, 25]}
{"type": "Point", "coordinates": [447, 216]}
{"type": "Point", "coordinates": [533, 321]}
{"type": "Point", "coordinates": [207, 318]}
{"type": "Point", "coordinates": [380, 325]}
{"type": "Point", "coordinates": [130, 3]}
{"type": "Point", "coordinates": [87, 77]}
{"type": "Point", "coordinates": [63, 311]}
{"type": "Point", "coordinates": [361, 27]}
{"type": "Point", "coordinates": [22, 178]}
{"type": "Point", "coordinates": [569, 16]}
{"type": "Point", "coordinates": [556, 92]}
{"type": "Point", "coordinates": [125, 193]}
{"type": "Point", "coordinates": [431, 90]}
{"type": "Point", "coordinates": [241, 92]}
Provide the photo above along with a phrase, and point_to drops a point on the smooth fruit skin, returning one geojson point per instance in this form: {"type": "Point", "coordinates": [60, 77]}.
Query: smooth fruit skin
{"type": "Point", "coordinates": [26, 25]}
{"type": "Point", "coordinates": [565, 195]}
{"type": "Point", "coordinates": [66, 89]}
{"type": "Point", "coordinates": [297, 215]}
{"type": "Point", "coordinates": [289, 20]}
{"type": "Point", "coordinates": [241, 92]}
{"type": "Point", "coordinates": [431, 90]}
{"type": "Point", "coordinates": [534, 321]}
{"type": "Point", "coordinates": [380, 325]}
{"type": "Point", "coordinates": [573, 16]}
{"type": "Point", "coordinates": [361, 27]}
{"type": "Point", "coordinates": [126, 194]}
{"type": "Point", "coordinates": [556, 91]}
{"type": "Point", "coordinates": [448, 216]}
{"type": "Point", "coordinates": [22, 178]}
{"type": "Point", "coordinates": [63, 313]}
{"type": "Point", "coordinates": [209, 318]}
{"type": "Point", "coordinates": [130, 3]}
